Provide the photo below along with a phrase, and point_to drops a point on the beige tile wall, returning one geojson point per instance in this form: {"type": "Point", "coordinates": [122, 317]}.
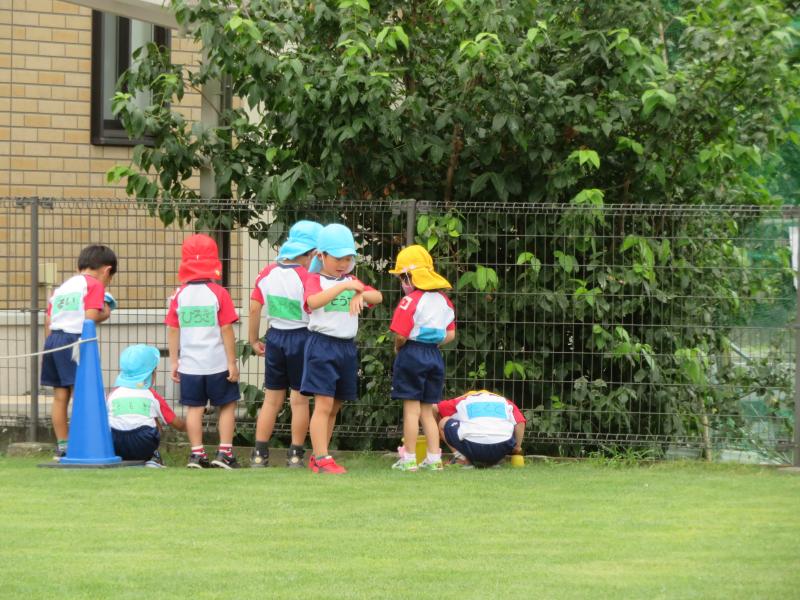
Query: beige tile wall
{"type": "Point", "coordinates": [45, 150]}
{"type": "Point", "coordinates": [45, 73]}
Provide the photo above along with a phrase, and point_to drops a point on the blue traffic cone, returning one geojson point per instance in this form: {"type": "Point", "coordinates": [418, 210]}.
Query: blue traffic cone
{"type": "Point", "coordinates": [89, 433]}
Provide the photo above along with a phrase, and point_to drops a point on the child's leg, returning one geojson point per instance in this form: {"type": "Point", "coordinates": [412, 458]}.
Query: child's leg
{"type": "Point", "coordinates": [194, 425]}
{"type": "Point", "coordinates": [300, 417]}
{"type": "Point", "coordinates": [337, 406]}
{"type": "Point", "coordinates": [411, 414]}
{"type": "Point", "coordinates": [273, 401]}
{"type": "Point", "coordinates": [319, 426]}
{"type": "Point", "coordinates": [61, 396]}
{"type": "Point", "coordinates": [227, 423]}
{"type": "Point", "coordinates": [429, 428]}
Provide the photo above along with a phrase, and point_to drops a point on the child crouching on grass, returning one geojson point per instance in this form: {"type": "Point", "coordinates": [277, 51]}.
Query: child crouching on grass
{"type": "Point", "coordinates": [333, 299]}
{"type": "Point", "coordinates": [481, 428]}
{"type": "Point", "coordinates": [136, 411]}
{"type": "Point", "coordinates": [423, 321]}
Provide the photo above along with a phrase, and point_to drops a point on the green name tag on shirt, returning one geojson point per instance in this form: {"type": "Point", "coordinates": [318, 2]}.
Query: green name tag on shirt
{"type": "Point", "coordinates": [121, 407]}
{"type": "Point", "coordinates": [341, 303]}
{"type": "Point", "coordinates": [197, 316]}
{"type": "Point", "coordinates": [280, 307]}
{"type": "Point", "coordinates": [67, 302]}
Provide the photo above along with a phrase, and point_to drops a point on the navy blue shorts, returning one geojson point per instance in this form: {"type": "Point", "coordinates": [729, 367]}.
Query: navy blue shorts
{"type": "Point", "coordinates": [418, 373]}
{"type": "Point", "coordinates": [284, 358]}
{"type": "Point", "coordinates": [331, 367]}
{"type": "Point", "coordinates": [136, 444]}
{"type": "Point", "coordinates": [198, 390]}
{"type": "Point", "coordinates": [481, 455]}
{"type": "Point", "coordinates": [58, 368]}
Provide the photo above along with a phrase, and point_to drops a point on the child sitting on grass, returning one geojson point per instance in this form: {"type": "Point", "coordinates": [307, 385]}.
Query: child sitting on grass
{"type": "Point", "coordinates": [136, 411]}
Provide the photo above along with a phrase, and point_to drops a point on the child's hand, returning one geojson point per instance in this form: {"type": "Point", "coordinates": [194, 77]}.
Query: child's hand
{"type": "Point", "coordinates": [109, 299]}
{"type": "Point", "coordinates": [258, 347]}
{"type": "Point", "coordinates": [356, 304]}
{"type": "Point", "coordinates": [173, 373]}
{"type": "Point", "coordinates": [233, 372]}
{"type": "Point", "coordinates": [355, 285]}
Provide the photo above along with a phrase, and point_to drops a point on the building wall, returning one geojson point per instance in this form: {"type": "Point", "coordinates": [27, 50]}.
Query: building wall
{"type": "Point", "coordinates": [45, 90]}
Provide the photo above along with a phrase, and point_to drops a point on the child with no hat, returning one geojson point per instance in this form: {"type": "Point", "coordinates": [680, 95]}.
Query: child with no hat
{"type": "Point", "coordinates": [423, 320]}
{"type": "Point", "coordinates": [278, 291]}
{"type": "Point", "coordinates": [481, 428]}
{"type": "Point", "coordinates": [202, 351]}
{"type": "Point", "coordinates": [83, 296]}
{"type": "Point", "coordinates": [136, 410]}
{"type": "Point", "coordinates": [333, 299]}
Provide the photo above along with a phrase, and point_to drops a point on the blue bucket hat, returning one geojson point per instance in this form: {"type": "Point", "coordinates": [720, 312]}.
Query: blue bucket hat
{"type": "Point", "coordinates": [302, 238]}
{"type": "Point", "coordinates": [136, 365]}
{"type": "Point", "coordinates": [336, 240]}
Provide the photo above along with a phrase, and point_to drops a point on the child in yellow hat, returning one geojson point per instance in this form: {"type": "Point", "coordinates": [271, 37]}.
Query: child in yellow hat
{"type": "Point", "coordinates": [423, 320]}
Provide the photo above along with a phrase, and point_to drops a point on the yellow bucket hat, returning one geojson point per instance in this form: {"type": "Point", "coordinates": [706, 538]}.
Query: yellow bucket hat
{"type": "Point", "coordinates": [417, 262]}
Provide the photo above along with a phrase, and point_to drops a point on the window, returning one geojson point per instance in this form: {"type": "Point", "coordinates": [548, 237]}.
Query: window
{"type": "Point", "coordinates": [113, 40]}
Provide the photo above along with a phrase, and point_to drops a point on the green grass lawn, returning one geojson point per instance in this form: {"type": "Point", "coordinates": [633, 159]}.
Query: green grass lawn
{"type": "Point", "coordinates": [545, 531]}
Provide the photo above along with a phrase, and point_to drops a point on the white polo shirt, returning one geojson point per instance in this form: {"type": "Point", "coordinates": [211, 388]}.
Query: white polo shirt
{"type": "Point", "coordinates": [279, 287]}
{"type": "Point", "coordinates": [130, 409]}
{"type": "Point", "coordinates": [334, 318]}
{"type": "Point", "coordinates": [485, 418]}
{"type": "Point", "coordinates": [68, 305]}
{"type": "Point", "coordinates": [199, 309]}
{"type": "Point", "coordinates": [424, 316]}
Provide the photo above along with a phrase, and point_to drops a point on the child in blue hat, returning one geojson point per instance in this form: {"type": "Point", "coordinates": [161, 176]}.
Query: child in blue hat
{"type": "Point", "coordinates": [135, 408]}
{"type": "Point", "coordinates": [279, 289]}
{"type": "Point", "coordinates": [333, 298]}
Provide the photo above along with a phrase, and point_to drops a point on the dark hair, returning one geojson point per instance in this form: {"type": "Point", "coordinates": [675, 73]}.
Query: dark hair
{"type": "Point", "coordinates": [97, 257]}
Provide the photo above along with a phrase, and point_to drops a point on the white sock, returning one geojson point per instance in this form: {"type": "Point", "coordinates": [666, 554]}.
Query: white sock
{"type": "Point", "coordinates": [432, 458]}
{"type": "Point", "coordinates": [409, 455]}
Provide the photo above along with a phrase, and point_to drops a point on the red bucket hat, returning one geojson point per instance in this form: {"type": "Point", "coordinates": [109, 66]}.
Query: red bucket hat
{"type": "Point", "coordinates": [199, 259]}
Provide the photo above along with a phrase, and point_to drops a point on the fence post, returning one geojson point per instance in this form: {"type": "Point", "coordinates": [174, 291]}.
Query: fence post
{"type": "Point", "coordinates": [34, 324]}
{"type": "Point", "coordinates": [797, 376]}
{"type": "Point", "coordinates": [411, 220]}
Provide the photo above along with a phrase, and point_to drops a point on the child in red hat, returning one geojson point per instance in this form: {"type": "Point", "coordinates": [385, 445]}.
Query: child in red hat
{"type": "Point", "coordinates": [202, 352]}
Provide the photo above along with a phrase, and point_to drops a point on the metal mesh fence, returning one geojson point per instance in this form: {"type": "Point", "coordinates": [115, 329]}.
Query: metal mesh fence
{"type": "Point", "coordinates": [663, 327]}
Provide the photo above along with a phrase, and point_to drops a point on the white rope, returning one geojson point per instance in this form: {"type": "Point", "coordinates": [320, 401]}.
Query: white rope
{"type": "Point", "coordinates": [59, 349]}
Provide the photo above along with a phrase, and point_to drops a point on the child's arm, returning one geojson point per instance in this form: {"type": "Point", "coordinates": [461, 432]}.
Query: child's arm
{"type": "Point", "coordinates": [449, 336]}
{"type": "Point", "coordinates": [324, 297]}
{"type": "Point", "coordinates": [519, 433]}
{"type": "Point", "coordinates": [229, 341]}
{"type": "Point", "coordinates": [173, 342]}
{"type": "Point", "coordinates": [399, 341]}
{"type": "Point", "coordinates": [98, 316]}
{"type": "Point", "coordinates": [373, 297]}
{"type": "Point", "coordinates": [178, 424]}
{"type": "Point", "coordinates": [254, 327]}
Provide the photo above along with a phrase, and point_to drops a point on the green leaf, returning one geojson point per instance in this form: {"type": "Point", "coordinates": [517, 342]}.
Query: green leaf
{"type": "Point", "coordinates": [479, 183]}
{"type": "Point", "coordinates": [401, 36]}
{"type": "Point", "coordinates": [234, 22]}
{"type": "Point", "coordinates": [499, 121]}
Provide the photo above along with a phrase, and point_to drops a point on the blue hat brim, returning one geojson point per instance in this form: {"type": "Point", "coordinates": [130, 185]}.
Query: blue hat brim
{"type": "Point", "coordinates": [136, 381]}
{"type": "Point", "coordinates": [293, 249]}
{"type": "Point", "coordinates": [341, 252]}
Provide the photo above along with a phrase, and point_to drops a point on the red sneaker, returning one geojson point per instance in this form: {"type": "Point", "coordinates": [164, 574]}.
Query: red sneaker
{"type": "Point", "coordinates": [326, 465]}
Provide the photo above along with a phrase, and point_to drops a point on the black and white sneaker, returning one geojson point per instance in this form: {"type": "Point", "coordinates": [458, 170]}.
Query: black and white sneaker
{"type": "Point", "coordinates": [259, 460]}
{"type": "Point", "coordinates": [198, 461]}
{"type": "Point", "coordinates": [156, 462]}
{"type": "Point", "coordinates": [294, 458]}
{"type": "Point", "coordinates": [225, 461]}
